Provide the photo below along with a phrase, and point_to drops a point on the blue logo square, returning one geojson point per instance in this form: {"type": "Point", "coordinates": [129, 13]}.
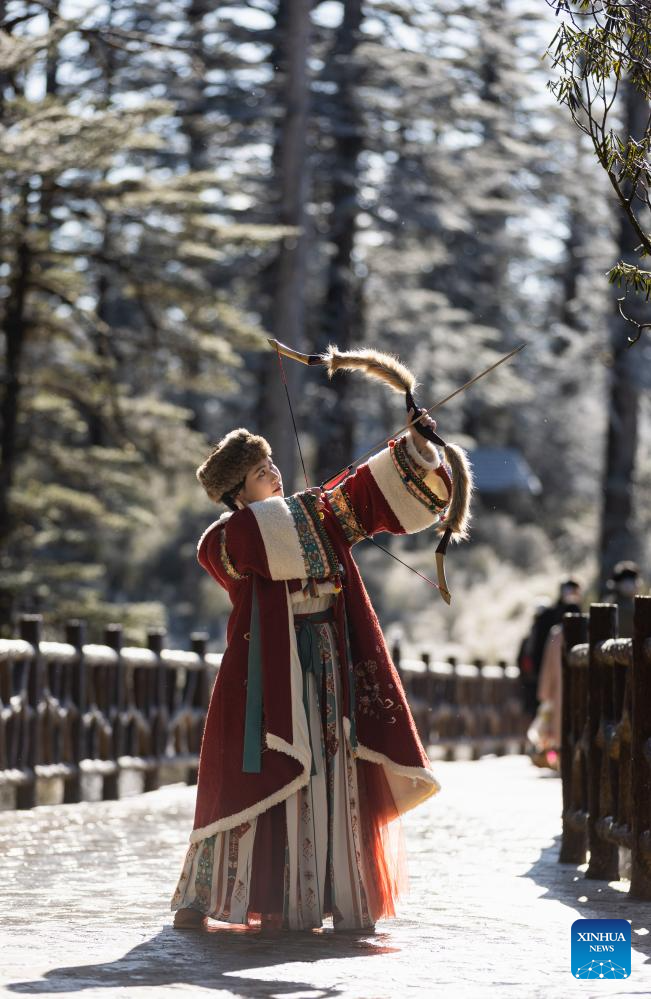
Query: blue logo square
{"type": "Point", "coordinates": [601, 948]}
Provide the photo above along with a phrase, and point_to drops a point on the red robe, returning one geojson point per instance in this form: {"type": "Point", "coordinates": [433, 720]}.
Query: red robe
{"type": "Point", "coordinates": [276, 545]}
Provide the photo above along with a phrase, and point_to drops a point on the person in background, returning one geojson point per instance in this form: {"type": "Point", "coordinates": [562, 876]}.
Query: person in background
{"type": "Point", "coordinates": [545, 731]}
{"type": "Point", "coordinates": [569, 600]}
{"type": "Point", "coordinates": [625, 581]}
{"type": "Point", "coordinates": [524, 660]}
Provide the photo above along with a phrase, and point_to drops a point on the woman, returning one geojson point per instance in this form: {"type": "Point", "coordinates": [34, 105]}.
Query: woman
{"type": "Point", "coordinates": [309, 748]}
{"type": "Point", "coordinates": [545, 731]}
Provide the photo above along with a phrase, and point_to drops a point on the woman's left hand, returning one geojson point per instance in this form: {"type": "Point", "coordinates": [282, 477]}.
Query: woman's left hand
{"type": "Point", "coordinates": [420, 442]}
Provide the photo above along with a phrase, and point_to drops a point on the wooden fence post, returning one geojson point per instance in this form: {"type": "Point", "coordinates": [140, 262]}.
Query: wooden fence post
{"type": "Point", "coordinates": [477, 713]}
{"type": "Point", "coordinates": [604, 855]}
{"type": "Point", "coordinates": [454, 725]}
{"type": "Point", "coordinates": [573, 842]}
{"type": "Point", "coordinates": [641, 751]}
{"type": "Point", "coordinates": [157, 708]}
{"type": "Point", "coordinates": [30, 631]}
{"type": "Point", "coordinates": [74, 632]}
{"type": "Point", "coordinates": [113, 638]}
{"type": "Point", "coordinates": [504, 729]}
{"type": "Point", "coordinates": [198, 644]}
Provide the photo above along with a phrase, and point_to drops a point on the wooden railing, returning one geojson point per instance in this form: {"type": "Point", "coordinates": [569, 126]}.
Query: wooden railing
{"type": "Point", "coordinates": [69, 708]}
{"type": "Point", "coordinates": [606, 744]}
{"type": "Point", "coordinates": [464, 710]}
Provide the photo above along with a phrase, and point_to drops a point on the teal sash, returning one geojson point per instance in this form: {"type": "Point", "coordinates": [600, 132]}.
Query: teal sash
{"type": "Point", "coordinates": [252, 759]}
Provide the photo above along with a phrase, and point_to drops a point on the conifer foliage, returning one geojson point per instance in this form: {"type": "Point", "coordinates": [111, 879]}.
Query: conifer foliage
{"type": "Point", "coordinates": [180, 179]}
{"type": "Point", "coordinates": [110, 314]}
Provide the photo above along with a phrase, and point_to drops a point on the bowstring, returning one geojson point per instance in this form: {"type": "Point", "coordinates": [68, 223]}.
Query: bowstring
{"type": "Point", "coordinates": [406, 564]}
{"type": "Point", "coordinates": [289, 402]}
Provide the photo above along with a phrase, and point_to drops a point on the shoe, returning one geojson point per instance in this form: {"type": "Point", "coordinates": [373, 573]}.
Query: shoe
{"type": "Point", "coordinates": [188, 919]}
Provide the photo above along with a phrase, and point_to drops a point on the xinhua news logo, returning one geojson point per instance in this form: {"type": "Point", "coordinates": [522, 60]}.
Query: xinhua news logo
{"type": "Point", "coordinates": [601, 948]}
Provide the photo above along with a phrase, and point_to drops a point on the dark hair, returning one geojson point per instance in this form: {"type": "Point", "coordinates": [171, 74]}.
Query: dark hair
{"type": "Point", "coordinates": [625, 570]}
{"type": "Point", "coordinates": [229, 498]}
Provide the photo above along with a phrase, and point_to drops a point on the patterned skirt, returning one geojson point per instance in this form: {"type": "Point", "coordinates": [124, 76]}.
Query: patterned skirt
{"type": "Point", "coordinates": [315, 854]}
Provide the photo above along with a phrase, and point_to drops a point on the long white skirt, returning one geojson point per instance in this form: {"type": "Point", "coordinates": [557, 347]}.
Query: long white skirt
{"type": "Point", "coordinates": [302, 860]}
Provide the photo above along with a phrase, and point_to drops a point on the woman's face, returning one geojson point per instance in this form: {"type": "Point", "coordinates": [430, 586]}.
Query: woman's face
{"type": "Point", "coordinates": [261, 482]}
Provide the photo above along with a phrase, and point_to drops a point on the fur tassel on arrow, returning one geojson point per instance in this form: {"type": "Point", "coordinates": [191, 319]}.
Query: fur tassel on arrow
{"type": "Point", "coordinates": [388, 369]}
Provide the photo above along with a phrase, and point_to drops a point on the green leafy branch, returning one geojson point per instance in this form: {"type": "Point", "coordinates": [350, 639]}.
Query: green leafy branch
{"type": "Point", "coordinates": [602, 53]}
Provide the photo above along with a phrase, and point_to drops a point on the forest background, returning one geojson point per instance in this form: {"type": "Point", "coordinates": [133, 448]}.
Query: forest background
{"type": "Point", "coordinates": [179, 180]}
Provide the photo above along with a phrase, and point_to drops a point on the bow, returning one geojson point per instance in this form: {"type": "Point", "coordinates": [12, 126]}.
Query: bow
{"type": "Point", "coordinates": [388, 369]}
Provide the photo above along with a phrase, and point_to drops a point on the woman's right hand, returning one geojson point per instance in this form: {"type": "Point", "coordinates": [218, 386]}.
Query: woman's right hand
{"type": "Point", "coordinates": [318, 492]}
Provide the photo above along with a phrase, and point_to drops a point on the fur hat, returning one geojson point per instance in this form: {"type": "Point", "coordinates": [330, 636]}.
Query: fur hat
{"type": "Point", "coordinates": [224, 470]}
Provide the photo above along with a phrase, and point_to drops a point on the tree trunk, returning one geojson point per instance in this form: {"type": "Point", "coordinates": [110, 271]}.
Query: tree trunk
{"type": "Point", "coordinates": [198, 159]}
{"type": "Point", "coordinates": [15, 332]}
{"type": "Point", "coordinates": [289, 272]}
{"type": "Point", "coordinates": [488, 252]}
{"type": "Point", "coordinates": [343, 301]}
{"type": "Point", "coordinates": [618, 535]}
{"type": "Point", "coordinates": [15, 335]}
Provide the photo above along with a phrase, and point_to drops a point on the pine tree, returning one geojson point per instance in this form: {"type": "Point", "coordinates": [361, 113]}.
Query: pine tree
{"type": "Point", "coordinates": [108, 317]}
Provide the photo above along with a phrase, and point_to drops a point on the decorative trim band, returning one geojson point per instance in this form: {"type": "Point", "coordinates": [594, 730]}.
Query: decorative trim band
{"type": "Point", "coordinates": [413, 478]}
{"type": "Point", "coordinates": [314, 553]}
{"type": "Point", "coordinates": [346, 516]}
{"type": "Point", "coordinates": [411, 513]}
{"type": "Point", "coordinates": [229, 568]}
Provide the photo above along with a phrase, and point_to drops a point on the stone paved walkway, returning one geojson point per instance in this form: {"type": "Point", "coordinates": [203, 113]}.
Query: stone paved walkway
{"type": "Point", "coordinates": [85, 895]}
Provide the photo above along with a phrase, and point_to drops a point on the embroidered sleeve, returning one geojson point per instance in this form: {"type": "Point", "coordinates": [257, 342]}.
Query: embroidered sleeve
{"type": "Point", "coordinates": [416, 470]}
{"type": "Point", "coordinates": [398, 490]}
{"type": "Point", "coordinates": [318, 555]}
{"type": "Point", "coordinates": [344, 512]}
